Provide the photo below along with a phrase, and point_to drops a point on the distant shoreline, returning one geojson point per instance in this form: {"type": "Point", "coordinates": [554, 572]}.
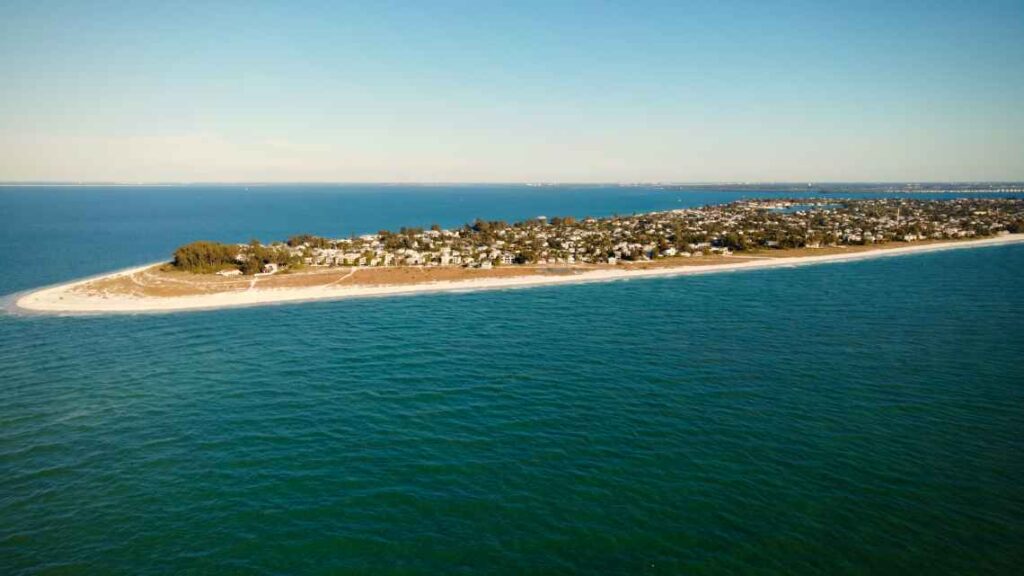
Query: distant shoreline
{"type": "Point", "coordinates": [64, 299]}
{"type": "Point", "coordinates": [827, 187]}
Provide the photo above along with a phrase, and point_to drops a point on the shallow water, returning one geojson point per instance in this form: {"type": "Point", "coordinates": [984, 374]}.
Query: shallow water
{"type": "Point", "coordinates": [845, 418]}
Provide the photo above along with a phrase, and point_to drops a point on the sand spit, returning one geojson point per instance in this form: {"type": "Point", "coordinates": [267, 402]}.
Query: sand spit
{"type": "Point", "coordinates": [75, 298]}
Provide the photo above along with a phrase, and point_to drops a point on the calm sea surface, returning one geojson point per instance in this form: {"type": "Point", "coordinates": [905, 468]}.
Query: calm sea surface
{"type": "Point", "coordinates": [853, 418]}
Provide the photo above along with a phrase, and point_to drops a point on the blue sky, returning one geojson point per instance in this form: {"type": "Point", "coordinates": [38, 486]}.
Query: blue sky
{"type": "Point", "coordinates": [512, 91]}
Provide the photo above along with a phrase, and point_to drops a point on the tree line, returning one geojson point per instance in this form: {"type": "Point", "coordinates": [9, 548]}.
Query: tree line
{"type": "Point", "coordinates": [206, 257]}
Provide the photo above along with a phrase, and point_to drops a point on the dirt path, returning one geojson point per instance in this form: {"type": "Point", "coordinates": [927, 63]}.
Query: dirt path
{"type": "Point", "coordinates": [338, 281]}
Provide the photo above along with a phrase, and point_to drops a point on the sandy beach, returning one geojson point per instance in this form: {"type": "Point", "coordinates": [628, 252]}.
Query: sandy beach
{"type": "Point", "coordinates": [78, 298]}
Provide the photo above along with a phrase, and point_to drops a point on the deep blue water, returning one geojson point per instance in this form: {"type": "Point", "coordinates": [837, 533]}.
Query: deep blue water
{"type": "Point", "coordinates": [855, 418]}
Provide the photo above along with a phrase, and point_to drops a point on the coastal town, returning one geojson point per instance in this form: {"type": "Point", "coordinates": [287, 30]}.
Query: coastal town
{"type": "Point", "coordinates": [742, 226]}
{"type": "Point", "coordinates": [541, 251]}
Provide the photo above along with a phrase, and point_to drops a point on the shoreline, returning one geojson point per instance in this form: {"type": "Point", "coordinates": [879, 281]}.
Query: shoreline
{"type": "Point", "coordinates": [61, 300]}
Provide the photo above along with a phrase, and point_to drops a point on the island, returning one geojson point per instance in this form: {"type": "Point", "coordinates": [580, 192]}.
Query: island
{"type": "Point", "coordinates": [485, 254]}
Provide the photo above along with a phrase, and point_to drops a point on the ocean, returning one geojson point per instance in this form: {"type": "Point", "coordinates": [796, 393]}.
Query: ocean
{"type": "Point", "coordinates": [854, 418]}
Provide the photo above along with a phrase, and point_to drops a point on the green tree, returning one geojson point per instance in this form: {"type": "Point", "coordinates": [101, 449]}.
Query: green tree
{"type": "Point", "coordinates": [204, 257]}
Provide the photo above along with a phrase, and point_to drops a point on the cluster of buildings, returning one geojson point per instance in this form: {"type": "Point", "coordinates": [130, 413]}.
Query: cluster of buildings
{"type": "Point", "coordinates": [718, 229]}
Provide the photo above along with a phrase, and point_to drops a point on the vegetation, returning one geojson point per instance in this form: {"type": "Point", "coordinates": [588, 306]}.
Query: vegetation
{"type": "Point", "coordinates": [308, 240]}
{"type": "Point", "coordinates": [205, 257]}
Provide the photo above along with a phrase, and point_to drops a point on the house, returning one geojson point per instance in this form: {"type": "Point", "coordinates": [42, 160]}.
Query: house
{"type": "Point", "coordinates": [270, 268]}
{"type": "Point", "coordinates": [230, 272]}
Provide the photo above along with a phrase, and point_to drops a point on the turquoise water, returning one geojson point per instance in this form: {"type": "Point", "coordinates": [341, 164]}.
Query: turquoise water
{"type": "Point", "coordinates": [849, 418]}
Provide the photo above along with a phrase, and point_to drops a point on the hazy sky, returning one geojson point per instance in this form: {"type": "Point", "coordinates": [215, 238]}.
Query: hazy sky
{"type": "Point", "coordinates": [512, 91]}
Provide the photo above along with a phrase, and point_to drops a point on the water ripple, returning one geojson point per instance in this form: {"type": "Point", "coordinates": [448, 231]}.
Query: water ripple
{"type": "Point", "coordinates": [856, 418]}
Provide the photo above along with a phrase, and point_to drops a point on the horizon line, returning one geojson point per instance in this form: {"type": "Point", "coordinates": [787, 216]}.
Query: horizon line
{"type": "Point", "coordinates": [502, 183]}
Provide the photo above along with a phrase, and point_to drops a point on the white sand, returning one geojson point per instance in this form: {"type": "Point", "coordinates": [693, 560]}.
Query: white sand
{"type": "Point", "coordinates": [61, 300]}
